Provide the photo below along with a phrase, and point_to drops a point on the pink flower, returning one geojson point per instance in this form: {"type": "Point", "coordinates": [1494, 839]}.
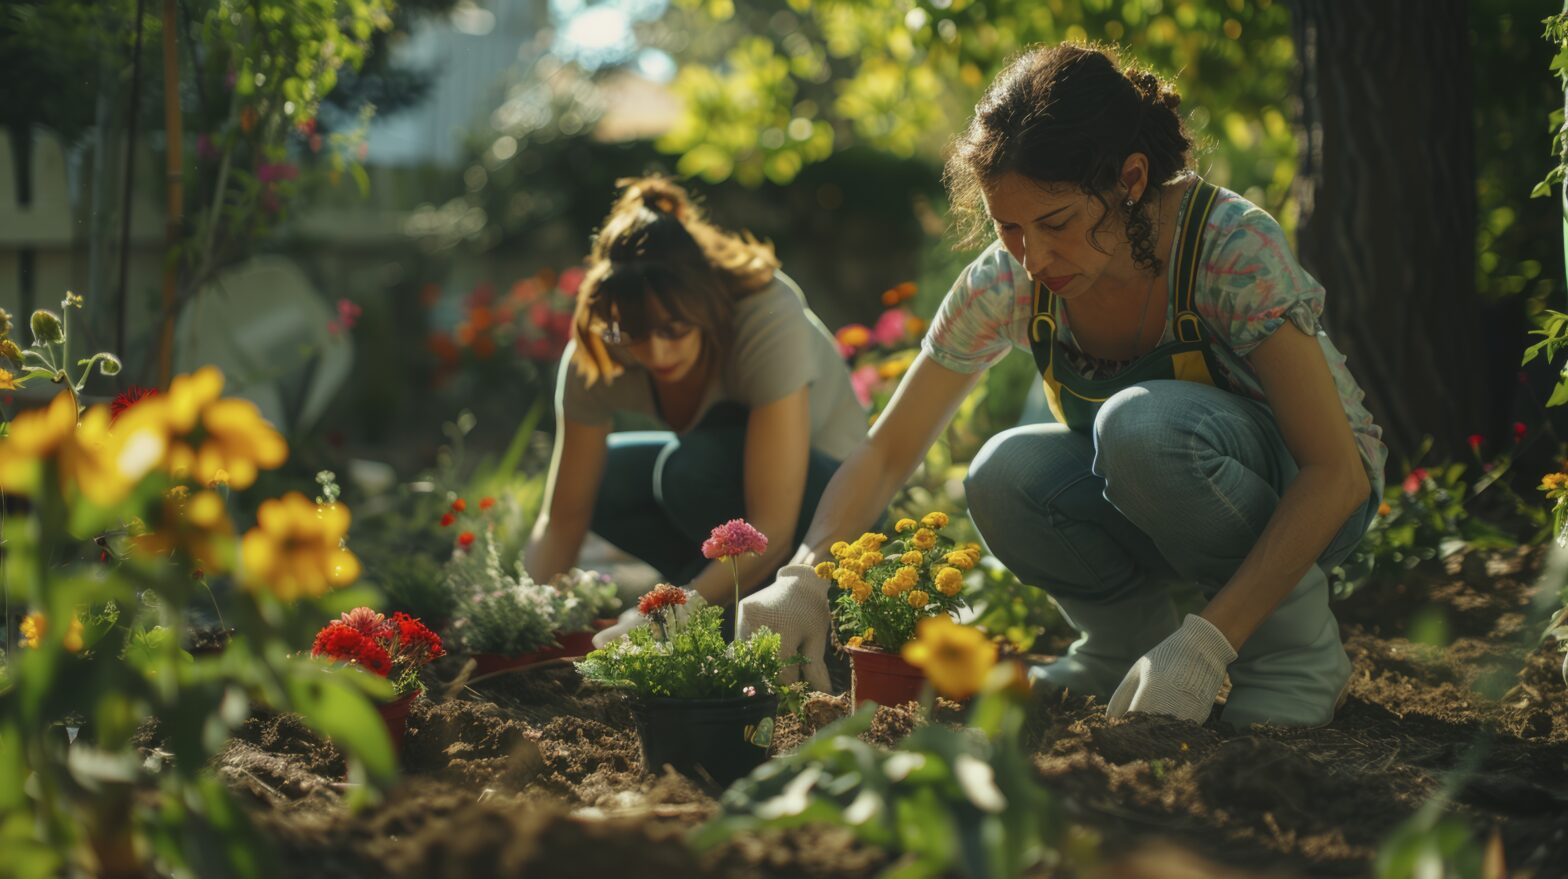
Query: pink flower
{"type": "Point", "coordinates": [348, 315]}
{"type": "Point", "coordinates": [364, 620]}
{"type": "Point", "coordinates": [272, 172]}
{"type": "Point", "coordinates": [734, 538]}
{"type": "Point", "coordinates": [1414, 481]}
{"type": "Point", "coordinates": [890, 327]}
{"type": "Point", "coordinates": [864, 380]}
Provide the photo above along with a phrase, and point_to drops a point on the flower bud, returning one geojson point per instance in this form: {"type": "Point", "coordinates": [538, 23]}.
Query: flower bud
{"type": "Point", "coordinates": [5, 323]}
{"type": "Point", "coordinates": [108, 364]}
{"type": "Point", "coordinates": [9, 350]}
{"type": "Point", "coordinates": [47, 329]}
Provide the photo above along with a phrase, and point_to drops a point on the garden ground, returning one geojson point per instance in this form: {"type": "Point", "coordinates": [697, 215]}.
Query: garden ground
{"type": "Point", "coordinates": [533, 773]}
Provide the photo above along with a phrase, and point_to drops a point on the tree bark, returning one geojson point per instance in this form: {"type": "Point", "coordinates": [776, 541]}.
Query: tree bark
{"type": "Point", "coordinates": [1387, 190]}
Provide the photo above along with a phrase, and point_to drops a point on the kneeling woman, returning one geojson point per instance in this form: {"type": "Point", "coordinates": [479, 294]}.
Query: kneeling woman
{"type": "Point", "coordinates": [1207, 429]}
{"type": "Point", "coordinates": [697, 330]}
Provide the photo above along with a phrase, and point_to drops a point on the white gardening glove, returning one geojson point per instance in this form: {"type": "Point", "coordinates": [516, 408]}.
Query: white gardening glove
{"type": "Point", "coordinates": [1180, 676]}
{"type": "Point", "coordinates": [796, 607]}
{"type": "Point", "coordinates": [631, 618]}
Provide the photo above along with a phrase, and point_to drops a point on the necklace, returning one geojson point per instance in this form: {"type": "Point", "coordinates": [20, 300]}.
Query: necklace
{"type": "Point", "coordinates": [1143, 315]}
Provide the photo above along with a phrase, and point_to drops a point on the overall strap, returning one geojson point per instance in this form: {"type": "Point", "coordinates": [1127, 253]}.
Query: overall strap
{"type": "Point", "coordinates": [1042, 327]}
{"type": "Point", "coordinates": [1188, 326]}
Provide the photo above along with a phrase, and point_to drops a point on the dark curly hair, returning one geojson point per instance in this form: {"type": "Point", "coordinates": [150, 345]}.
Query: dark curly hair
{"type": "Point", "coordinates": [1070, 113]}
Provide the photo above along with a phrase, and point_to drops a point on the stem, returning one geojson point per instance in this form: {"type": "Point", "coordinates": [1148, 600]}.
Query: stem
{"type": "Point", "coordinates": [735, 572]}
{"type": "Point", "coordinates": [215, 609]}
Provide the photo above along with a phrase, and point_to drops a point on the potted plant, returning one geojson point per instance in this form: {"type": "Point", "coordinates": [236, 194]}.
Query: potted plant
{"type": "Point", "coordinates": [887, 587]}
{"type": "Point", "coordinates": [505, 620]}
{"type": "Point", "coordinates": [395, 649]}
{"type": "Point", "coordinates": [702, 705]}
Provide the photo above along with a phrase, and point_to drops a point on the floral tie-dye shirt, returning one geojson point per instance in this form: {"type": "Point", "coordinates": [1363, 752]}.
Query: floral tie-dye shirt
{"type": "Point", "coordinates": [1248, 285]}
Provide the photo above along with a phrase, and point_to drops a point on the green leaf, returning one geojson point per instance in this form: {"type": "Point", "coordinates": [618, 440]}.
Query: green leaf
{"type": "Point", "coordinates": [340, 711]}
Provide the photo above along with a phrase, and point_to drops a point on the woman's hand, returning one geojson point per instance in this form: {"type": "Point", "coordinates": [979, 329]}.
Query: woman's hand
{"type": "Point", "coordinates": [1179, 677]}
{"type": "Point", "coordinates": [796, 607]}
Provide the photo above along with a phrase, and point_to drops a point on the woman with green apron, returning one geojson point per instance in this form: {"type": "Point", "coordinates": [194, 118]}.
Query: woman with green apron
{"type": "Point", "coordinates": [1207, 431]}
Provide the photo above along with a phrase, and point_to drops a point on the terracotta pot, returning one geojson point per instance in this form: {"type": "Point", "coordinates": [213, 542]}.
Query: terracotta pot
{"type": "Point", "coordinates": [712, 741]}
{"type": "Point", "coordinates": [487, 663]}
{"type": "Point", "coordinates": [395, 715]}
{"type": "Point", "coordinates": [883, 677]}
{"type": "Point", "coordinates": [575, 643]}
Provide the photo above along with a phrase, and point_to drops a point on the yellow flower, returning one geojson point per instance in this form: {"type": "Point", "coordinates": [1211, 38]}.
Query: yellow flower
{"type": "Point", "coordinates": [925, 538]}
{"type": "Point", "coordinates": [197, 525]}
{"type": "Point", "coordinates": [1554, 481]}
{"type": "Point", "coordinates": [917, 599]}
{"type": "Point", "coordinates": [911, 558]}
{"type": "Point", "coordinates": [1383, 509]}
{"type": "Point", "coordinates": [905, 525]}
{"type": "Point", "coordinates": [31, 437]}
{"type": "Point", "coordinates": [860, 591]}
{"type": "Point", "coordinates": [870, 558]}
{"type": "Point", "coordinates": [956, 659]}
{"type": "Point", "coordinates": [890, 589]}
{"type": "Point", "coordinates": [839, 548]}
{"type": "Point", "coordinates": [7, 380]}
{"type": "Point", "coordinates": [33, 627]}
{"type": "Point", "coordinates": [960, 560]}
{"type": "Point", "coordinates": [934, 520]}
{"type": "Point", "coordinates": [950, 581]}
{"type": "Point", "coordinates": [825, 570]}
{"type": "Point", "coordinates": [239, 442]}
{"type": "Point", "coordinates": [295, 550]}
{"type": "Point", "coordinates": [847, 578]}
{"type": "Point", "coordinates": [855, 641]}
{"type": "Point", "coordinates": [869, 633]}
{"type": "Point", "coordinates": [972, 547]}
{"type": "Point", "coordinates": [871, 540]}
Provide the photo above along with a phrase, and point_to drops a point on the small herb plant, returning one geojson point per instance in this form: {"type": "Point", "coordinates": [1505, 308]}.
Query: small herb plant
{"type": "Point", "coordinates": [686, 657]}
{"type": "Point", "coordinates": [889, 586]}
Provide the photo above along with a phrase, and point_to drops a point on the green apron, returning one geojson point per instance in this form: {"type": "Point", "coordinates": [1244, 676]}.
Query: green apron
{"type": "Point", "coordinates": [1075, 400]}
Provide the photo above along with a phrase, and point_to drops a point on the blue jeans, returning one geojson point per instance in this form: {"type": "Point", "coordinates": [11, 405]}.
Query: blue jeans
{"type": "Point", "coordinates": [663, 493]}
{"type": "Point", "coordinates": [1176, 482]}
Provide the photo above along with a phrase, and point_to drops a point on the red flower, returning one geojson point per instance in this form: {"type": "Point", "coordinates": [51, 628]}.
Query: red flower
{"type": "Point", "coordinates": [459, 505]}
{"type": "Point", "coordinates": [342, 642]}
{"type": "Point", "coordinates": [733, 538]}
{"type": "Point", "coordinates": [1475, 441]}
{"type": "Point", "coordinates": [415, 641]}
{"type": "Point", "coordinates": [1520, 429]}
{"type": "Point", "coordinates": [486, 503]}
{"type": "Point", "coordinates": [466, 539]}
{"type": "Point", "coordinates": [447, 519]}
{"type": "Point", "coordinates": [132, 395]}
{"type": "Point", "coordinates": [663, 595]}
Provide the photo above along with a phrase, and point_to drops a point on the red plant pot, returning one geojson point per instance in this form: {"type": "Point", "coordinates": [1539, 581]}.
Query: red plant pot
{"type": "Point", "coordinates": [395, 715]}
{"type": "Point", "coordinates": [603, 623]}
{"type": "Point", "coordinates": [489, 663]}
{"type": "Point", "coordinates": [883, 677]}
{"type": "Point", "coordinates": [575, 643]}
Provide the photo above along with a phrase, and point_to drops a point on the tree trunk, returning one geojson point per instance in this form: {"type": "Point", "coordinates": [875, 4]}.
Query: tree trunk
{"type": "Point", "coordinates": [1387, 189]}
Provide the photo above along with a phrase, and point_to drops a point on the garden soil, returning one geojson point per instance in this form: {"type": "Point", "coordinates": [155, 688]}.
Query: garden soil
{"type": "Point", "coordinates": [532, 773]}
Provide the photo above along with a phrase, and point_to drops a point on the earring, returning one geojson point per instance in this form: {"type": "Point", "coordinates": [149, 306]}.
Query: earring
{"type": "Point", "coordinates": [1127, 204]}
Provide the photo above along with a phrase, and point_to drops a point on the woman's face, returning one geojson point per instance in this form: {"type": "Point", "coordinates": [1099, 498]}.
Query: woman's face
{"type": "Point", "coordinates": [670, 349]}
{"type": "Point", "coordinates": [1047, 228]}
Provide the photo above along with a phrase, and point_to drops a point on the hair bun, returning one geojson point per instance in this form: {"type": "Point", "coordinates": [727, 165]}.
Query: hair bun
{"type": "Point", "coordinates": [1153, 90]}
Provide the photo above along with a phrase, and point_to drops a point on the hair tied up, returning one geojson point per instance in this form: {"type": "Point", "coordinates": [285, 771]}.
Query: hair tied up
{"type": "Point", "coordinates": [1152, 90]}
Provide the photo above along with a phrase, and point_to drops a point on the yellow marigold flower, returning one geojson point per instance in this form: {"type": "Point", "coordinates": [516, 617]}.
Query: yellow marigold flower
{"type": "Point", "coordinates": [33, 627]}
{"type": "Point", "coordinates": [911, 558]}
{"type": "Point", "coordinates": [295, 550]}
{"type": "Point", "coordinates": [905, 525]}
{"type": "Point", "coordinates": [825, 570]}
{"type": "Point", "coordinates": [860, 592]}
{"type": "Point", "coordinates": [853, 565]}
{"type": "Point", "coordinates": [855, 641]}
{"type": "Point", "coordinates": [934, 520]}
{"type": "Point", "coordinates": [7, 380]}
{"type": "Point", "coordinates": [973, 547]}
{"type": "Point", "coordinates": [960, 560]}
{"type": "Point", "coordinates": [839, 548]}
{"type": "Point", "coordinates": [949, 581]}
{"type": "Point", "coordinates": [869, 558]}
{"type": "Point", "coordinates": [917, 599]}
{"type": "Point", "coordinates": [849, 579]}
{"type": "Point", "coordinates": [1383, 509]}
{"type": "Point", "coordinates": [956, 659]}
{"type": "Point", "coordinates": [907, 572]}
{"type": "Point", "coordinates": [890, 589]}
{"type": "Point", "coordinates": [1554, 481]}
{"type": "Point", "coordinates": [925, 538]}
{"type": "Point", "coordinates": [871, 540]}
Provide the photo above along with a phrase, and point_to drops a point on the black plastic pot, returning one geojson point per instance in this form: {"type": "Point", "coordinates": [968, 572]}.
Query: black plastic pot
{"type": "Point", "coordinates": [713, 741]}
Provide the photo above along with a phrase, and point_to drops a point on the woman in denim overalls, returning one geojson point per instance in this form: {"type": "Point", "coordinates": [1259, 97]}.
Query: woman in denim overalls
{"type": "Point", "coordinates": [1206, 430]}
